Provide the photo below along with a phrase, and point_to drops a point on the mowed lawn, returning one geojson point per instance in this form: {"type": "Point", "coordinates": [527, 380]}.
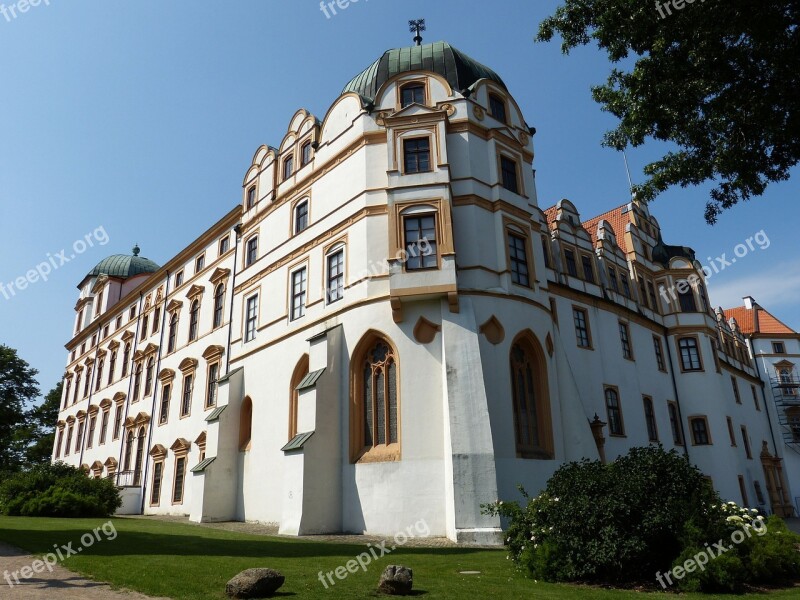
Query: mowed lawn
{"type": "Point", "coordinates": [189, 562]}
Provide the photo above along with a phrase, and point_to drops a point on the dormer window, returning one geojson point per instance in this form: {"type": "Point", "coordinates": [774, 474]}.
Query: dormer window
{"type": "Point", "coordinates": [412, 93]}
{"type": "Point", "coordinates": [305, 154]}
{"type": "Point", "coordinates": [288, 167]}
{"type": "Point", "coordinates": [497, 108]}
{"type": "Point", "coordinates": [251, 197]}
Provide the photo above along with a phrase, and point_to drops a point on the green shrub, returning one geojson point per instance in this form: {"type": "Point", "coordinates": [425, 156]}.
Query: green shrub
{"type": "Point", "coordinates": [775, 556]}
{"type": "Point", "coordinates": [57, 490]}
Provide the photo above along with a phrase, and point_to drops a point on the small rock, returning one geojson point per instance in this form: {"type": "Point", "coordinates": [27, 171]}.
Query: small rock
{"type": "Point", "coordinates": [254, 583]}
{"type": "Point", "coordinates": [396, 580]}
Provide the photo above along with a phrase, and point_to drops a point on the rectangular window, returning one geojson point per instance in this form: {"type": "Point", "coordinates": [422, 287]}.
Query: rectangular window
{"type": "Point", "coordinates": [675, 424]}
{"type": "Point", "coordinates": [625, 338]}
{"type": "Point", "coordinates": [778, 348]}
{"type": "Point", "coordinates": [251, 197]}
{"type": "Point", "coordinates": [420, 242]}
{"type": "Point", "coordinates": [92, 425]}
{"type": "Point", "coordinates": [700, 435]}
{"type": "Point", "coordinates": [642, 291]}
{"type": "Point", "coordinates": [651, 292]}
{"type": "Point", "coordinates": [588, 268]}
{"type": "Point", "coordinates": [186, 399]}
{"type": "Point", "coordinates": [251, 318]}
{"type": "Point", "coordinates": [572, 266]}
{"type": "Point", "coordinates": [224, 245]}
{"type": "Point", "coordinates": [736, 390]}
{"type": "Point", "coordinates": [730, 431]}
{"type": "Point", "coordinates": [180, 474]}
{"type": "Point", "coordinates": [614, 412]}
{"type": "Point", "coordinates": [612, 279]}
{"type": "Point", "coordinates": [104, 426]}
{"type": "Point", "coordinates": [497, 108]}
{"type": "Point", "coordinates": [200, 263]}
{"type": "Point", "coordinates": [417, 155]}
{"type": "Point", "coordinates": [746, 442]}
{"type": "Point", "coordinates": [582, 328]}
{"type": "Point", "coordinates": [288, 167]}
{"type": "Point", "coordinates": [252, 251]}
{"type": "Point", "coordinates": [305, 154]}
{"type": "Point", "coordinates": [301, 217]}
{"type": "Point", "coordinates": [743, 491]}
{"type": "Point", "coordinates": [118, 421]}
{"type": "Point", "coordinates": [335, 276]}
{"type": "Point", "coordinates": [518, 257]}
{"type": "Point", "coordinates": [659, 350]}
{"type": "Point", "coordinates": [164, 413]}
{"type": "Point", "coordinates": [156, 319]}
{"type": "Point", "coordinates": [508, 169]}
{"type": "Point", "coordinates": [158, 474]}
{"type": "Point", "coordinates": [690, 354]}
{"type": "Point", "coordinates": [650, 419]}
{"type": "Point", "coordinates": [211, 391]}
{"type": "Point", "coordinates": [546, 252]}
{"type": "Point", "coordinates": [412, 93]}
{"type": "Point", "coordinates": [626, 285]}
{"type": "Point", "coordinates": [178, 279]}
{"type": "Point", "coordinates": [145, 324]}
{"type": "Point", "coordinates": [755, 397]}
{"type": "Point", "coordinates": [298, 294]}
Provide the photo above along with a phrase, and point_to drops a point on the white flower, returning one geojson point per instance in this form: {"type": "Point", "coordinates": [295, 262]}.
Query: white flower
{"type": "Point", "coordinates": [754, 510]}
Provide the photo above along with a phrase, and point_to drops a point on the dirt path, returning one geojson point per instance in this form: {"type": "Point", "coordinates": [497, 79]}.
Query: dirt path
{"type": "Point", "coordinates": [61, 583]}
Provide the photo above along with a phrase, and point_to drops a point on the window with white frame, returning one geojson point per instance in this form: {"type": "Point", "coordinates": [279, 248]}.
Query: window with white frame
{"type": "Point", "coordinates": [298, 297]}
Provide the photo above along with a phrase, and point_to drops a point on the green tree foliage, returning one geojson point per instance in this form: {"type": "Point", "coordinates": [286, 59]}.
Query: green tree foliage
{"type": "Point", "coordinates": [720, 79]}
{"type": "Point", "coordinates": [38, 435]}
{"type": "Point", "coordinates": [18, 386]}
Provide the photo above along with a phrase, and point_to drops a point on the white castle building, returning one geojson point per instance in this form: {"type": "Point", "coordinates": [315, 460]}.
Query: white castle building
{"type": "Point", "coordinates": [389, 328]}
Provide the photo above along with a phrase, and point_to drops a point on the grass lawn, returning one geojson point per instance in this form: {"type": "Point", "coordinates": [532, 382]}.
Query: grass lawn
{"type": "Point", "coordinates": [188, 562]}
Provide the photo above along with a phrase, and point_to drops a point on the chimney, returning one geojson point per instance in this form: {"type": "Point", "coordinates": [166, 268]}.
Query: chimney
{"type": "Point", "coordinates": [749, 302]}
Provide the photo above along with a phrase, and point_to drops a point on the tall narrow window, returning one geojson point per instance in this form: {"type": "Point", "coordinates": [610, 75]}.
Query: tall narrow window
{"type": "Point", "coordinates": [300, 372]}
{"type": "Point", "coordinates": [642, 291]}
{"type": "Point", "coordinates": [569, 259]}
{"type": "Point", "coordinates": [251, 319]}
{"type": "Point", "coordinates": [699, 427]}
{"type": "Point", "coordinates": [412, 93]}
{"type": "Point", "coordinates": [77, 388]}
{"type": "Point", "coordinates": [420, 242]}
{"type": "Point", "coordinates": [612, 279]}
{"type": "Point", "coordinates": [378, 387]}
{"type": "Point", "coordinates": [158, 475]}
{"type": "Point", "coordinates": [735, 386]}
{"type": "Point", "coordinates": [163, 415]}
{"type": "Point", "coordinates": [531, 422]}
{"type": "Point", "coordinates": [148, 379]}
{"type": "Point", "coordinates": [651, 293]}
{"type": "Point", "coordinates": [731, 435]}
{"type": "Point", "coordinates": [92, 425]}
{"type": "Point", "coordinates": [219, 304]}
{"type": "Point", "coordinates": [624, 279]}
{"type": "Point", "coordinates": [298, 293]}
{"type": "Point", "coordinates": [301, 217]}
{"type": "Point", "coordinates": [690, 354]}
{"type": "Point", "coordinates": [588, 268]}
{"type": "Point", "coordinates": [118, 422]}
{"type": "Point", "coordinates": [156, 319]}
{"type": "Point", "coordinates": [625, 339]}
{"type": "Point", "coordinates": [112, 366]}
{"type": "Point", "coordinates": [614, 411]}
{"type": "Point", "coordinates": [335, 276]}
{"type": "Point", "coordinates": [746, 442]}
{"type": "Point", "coordinates": [200, 263]}
{"type": "Point", "coordinates": [650, 419]}
{"type": "Point", "coordinates": [211, 389]}
{"type": "Point", "coordinates": [288, 167]}
{"type": "Point", "coordinates": [99, 376]}
{"type": "Point", "coordinates": [508, 171]}
{"type": "Point", "coordinates": [137, 471]}
{"type": "Point", "coordinates": [659, 350]}
{"type": "Point", "coordinates": [251, 255]}
{"type": "Point", "coordinates": [186, 399]}
{"type": "Point", "coordinates": [87, 383]}
{"type": "Point", "coordinates": [518, 258]}
{"type": "Point", "coordinates": [224, 245]}
{"type": "Point", "coordinates": [251, 197]}
{"type": "Point", "coordinates": [180, 474]}
{"type": "Point", "coordinates": [172, 338]}
{"type": "Point", "coordinates": [546, 252]}
{"type": "Point", "coordinates": [104, 426]}
{"type": "Point", "coordinates": [126, 359]}
{"type": "Point", "coordinates": [497, 108]}
{"type": "Point", "coordinates": [129, 451]}
{"type": "Point", "coordinates": [66, 394]}
{"type": "Point", "coordinates": [305, 154]}
{"type": "Point", "coordinates": [686, 296]}
{"type": "Point", "coordinates": [79, 439]}
{"type": "Point", "coordinates": [581, 328]}
{"type": "Point", "coordinates": [194, 320]}
{"type": "Point", "coordinates": [245, 424]}
{"type": "Point", "coordinates": [145, 322]}
{"type": "Point", "coordinates": [755, 397]}
{"type": "Point", "coordinates": [59, 441]}
{"type": "Point", "coordinates": [178, 279]}
{"type": "Point", "coordinates": [417, 155]}
{"type": "Point", "coordinates": [137, 381]}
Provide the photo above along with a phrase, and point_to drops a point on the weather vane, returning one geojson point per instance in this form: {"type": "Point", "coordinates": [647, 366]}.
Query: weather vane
{"type": "Point", "coordinates": [417, 26]}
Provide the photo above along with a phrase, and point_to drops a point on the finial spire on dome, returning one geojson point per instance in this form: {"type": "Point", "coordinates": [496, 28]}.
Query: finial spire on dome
{"type": "Point", "coordinates": [136, 249]}
{"type": "Point", "coordinates": [417, 26]}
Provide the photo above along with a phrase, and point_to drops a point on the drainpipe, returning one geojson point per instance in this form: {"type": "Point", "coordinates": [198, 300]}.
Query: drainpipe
{"type": "Point", "coordinates": [155, 389]}
{"type": "Point", "coordinates": [238, 230]}
{"type": "Point", "coordinates": [677, 397]}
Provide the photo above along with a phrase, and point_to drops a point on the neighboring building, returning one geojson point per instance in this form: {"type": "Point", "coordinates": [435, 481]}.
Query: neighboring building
{"type": "Point", "coordinates": [776, 348]}
{"type": "Point", "coordinates": [389, 328]}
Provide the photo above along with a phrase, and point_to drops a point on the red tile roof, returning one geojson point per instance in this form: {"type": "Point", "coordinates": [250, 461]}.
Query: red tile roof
{"type": "Point", "coordinates": [765, 323]}
{"type": "Point", "coordinates": [618, 222]}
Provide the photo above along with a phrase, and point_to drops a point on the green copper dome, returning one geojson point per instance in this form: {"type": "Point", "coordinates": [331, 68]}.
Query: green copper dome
{"type": "Point", "coordinates": [124, 266]}
{"type": "Point", "coordinates": [460, 71]}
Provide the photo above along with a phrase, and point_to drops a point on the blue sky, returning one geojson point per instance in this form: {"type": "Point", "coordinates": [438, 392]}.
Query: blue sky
{"type": "Point", "coordinates": [141, 118]}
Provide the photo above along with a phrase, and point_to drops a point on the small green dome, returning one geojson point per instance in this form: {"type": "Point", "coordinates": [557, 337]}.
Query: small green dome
{"type": "Point", "coordinates": [124, 265]}
{"type": "Point", "coordinates": [460, 71]}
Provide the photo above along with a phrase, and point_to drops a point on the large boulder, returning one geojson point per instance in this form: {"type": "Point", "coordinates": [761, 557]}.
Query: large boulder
{"type": "Point", "coordinates": [396, 580]}
{"type": "Point", "coordinates": [254, 583]}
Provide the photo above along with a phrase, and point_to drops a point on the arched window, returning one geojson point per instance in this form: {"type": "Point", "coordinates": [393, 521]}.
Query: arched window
{"type": "Point", "coordinates": [531, 401]}
{"type": "Point", "coordinates": [376, 400]}
{"type": "Point", "coordinates": [194, 318]}
{"type": "Point", "coordinates": [148, 377]}
{"type": "Point", "coordinates": [219, 303]}
{"type": "Point", "coordinates": [614, 412]}
{"type": "Point", "coordinates": [173, 332]}
{"type": "Point", "coordinates": [99, 376]}
{"type": "Point", "coordinates": [128, 451]}
{"type": "Point", "coordinates": [137, 382]}
{"type": "Point", "coordinates": [112, 366]}
{"type": "Point", "coordinates": [137, 472]}
{"type": "Point", "coordinates": [245, 424]}
{"type": "Point", "coordinates": [126, 359]}
{"type": "Point", "coordinates": [301, 216]}
{"type": "Point", "coordinates": [300, 371]}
